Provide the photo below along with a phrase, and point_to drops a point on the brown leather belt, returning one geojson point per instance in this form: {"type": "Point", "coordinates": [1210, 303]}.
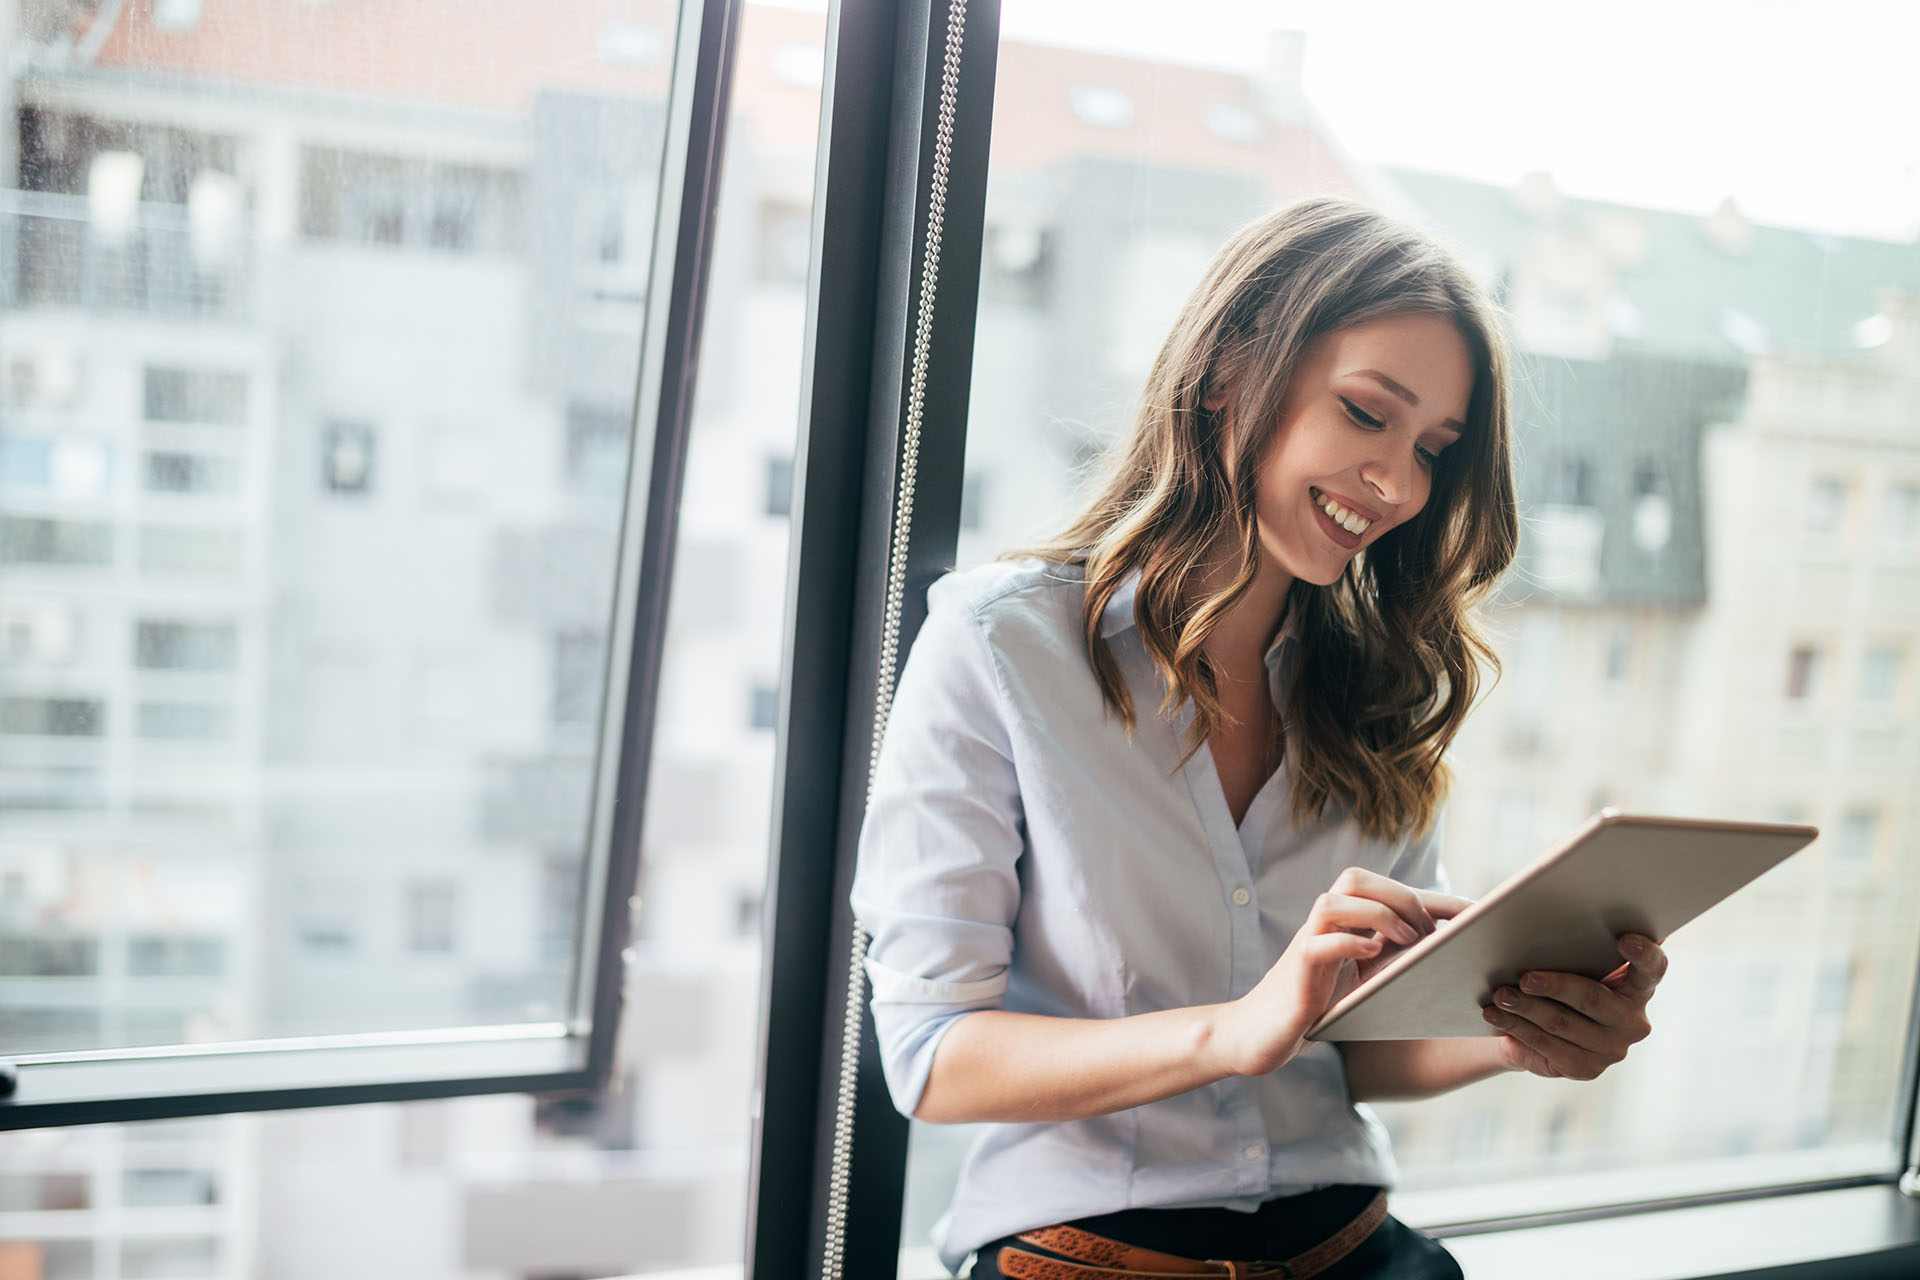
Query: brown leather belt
{"type": "Point", "coordinates": [1086, 1256]}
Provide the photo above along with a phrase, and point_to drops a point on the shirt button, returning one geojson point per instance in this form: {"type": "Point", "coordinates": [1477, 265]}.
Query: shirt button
{"type": "Point", "coordinates": [1254, 1152]}
{"type": "Point", "coordinates": [1241, 897]}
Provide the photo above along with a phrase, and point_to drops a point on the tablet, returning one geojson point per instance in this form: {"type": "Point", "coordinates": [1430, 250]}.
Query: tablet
{"type": "Point", "coordinates": [1620, 873]}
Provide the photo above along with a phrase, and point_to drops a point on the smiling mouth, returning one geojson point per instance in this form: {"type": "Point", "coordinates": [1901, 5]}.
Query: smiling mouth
{"type": "Point", "coordinates": [1353, 522]}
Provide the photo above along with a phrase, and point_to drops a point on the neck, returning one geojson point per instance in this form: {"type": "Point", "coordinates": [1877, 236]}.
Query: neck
{"type": "Point", "coordinates": [1241, 641]}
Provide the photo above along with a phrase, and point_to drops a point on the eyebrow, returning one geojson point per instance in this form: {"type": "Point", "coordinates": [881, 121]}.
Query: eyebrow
{"type": "Point", "coordinates": [1413, 401]}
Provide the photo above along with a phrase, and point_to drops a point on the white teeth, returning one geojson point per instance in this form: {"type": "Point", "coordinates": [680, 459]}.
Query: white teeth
{"type": "Point", "coordinates": [1354, 524]}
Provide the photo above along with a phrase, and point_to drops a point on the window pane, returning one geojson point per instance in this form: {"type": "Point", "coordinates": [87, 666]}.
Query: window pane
{"type": "Point", "coordinates": [353, 792]}
{"type": "Point", "coordinates": [1694, 481]}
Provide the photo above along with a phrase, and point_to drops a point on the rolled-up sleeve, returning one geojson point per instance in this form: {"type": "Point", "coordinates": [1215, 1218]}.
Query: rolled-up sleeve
{"type": "Point", "coordinates": [936, 885]}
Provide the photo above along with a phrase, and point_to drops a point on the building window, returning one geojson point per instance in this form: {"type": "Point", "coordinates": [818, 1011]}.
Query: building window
{"type": "Point", "coordinates": [196, 395]}
{"type": "Point", "coordinates": [976, 502]}
{"type": "Point", "coordinates": [176, 955]}
{"type": "Point", "coordinates": [1900, 522]}
{"type": "Point", "coordinates": [763, 706]}
{"type": "Point", "coordinates": [1619, 652]}
{"type": "Point", "coordinates": [1880, 673]}
{"type": "Point", "coordinates": [1803, 673]}
{"type": "Point", "coordinates": [597, 449]}
{"type": "Point", "coordinates": [779, 499]}
{"type": "Point", "coordinates": [31, 540]}
{"type": "Point", "coordinates": [185, 646]}
{"type": "Point", "coordinates": [346, 457]}
{"type": "Point", "coordinates": [54, 717]}
{"type": "Point", "coordinates": [184, 721]}
{"type": "Point", "coordinates": [30, 955]}
{"type": "Point", "coordinates": [1853, 843]}
{"type": "Point", "coordinates": [579, 662]}
{"type": "Point", "coordinates": [325, 915]}
{"type": "Point", "coordinates": [210, 551]}
{"type": "Point", "coordinates": [431, 907]}
{"type": "Point", "coordinates": [190, 473]}
{"type": "Point", "coordinates": [156, 1188]}
{"type": "Point", "coordinates": [1826, 507]}
{"type": "Point", "coordinates": [40, 1193]}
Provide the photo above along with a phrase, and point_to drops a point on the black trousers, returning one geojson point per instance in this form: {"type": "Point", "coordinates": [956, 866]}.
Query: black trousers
{"type": "Point", "coordinates": [1278, 1230]}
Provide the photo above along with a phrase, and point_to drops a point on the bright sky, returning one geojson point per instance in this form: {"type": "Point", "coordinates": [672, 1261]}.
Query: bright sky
{"type": "Point", "coordinates": [1806, 112]}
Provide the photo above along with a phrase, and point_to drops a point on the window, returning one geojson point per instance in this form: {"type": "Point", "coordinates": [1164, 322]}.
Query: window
{"type": "Point", "coordinates": [28, 540]}
{"type": "Point", "coordinates": [579, 659]}
{"type": "Point", "coordinates": [176, 955]}
{"type": "Point", "coordinates": [1619, 652]}
{"type": "Point", "coordinates": [209, 396]}
{"type": "Point", "coordinates": [779, 499]}
{"type": "Point", "coordinates": [186, 646]}
{"type": "Point", "coordinates": [184, 721]}
{"type": "Point", "coordinates": [1880, 673]}
{"type": "Point", "coordinates": [54, 717]}
{"type": "Point", "coordinates": [347, 457]}
{"type": "Point", "coordinates": [1803, 673]}
{"type": "Point", "coordinates": [1900, 524]}
{"type": "Point", "coordinates": [496, 191]}
{"type": "Point", "coordinates": [763, 706]}
{"type": "Point", "coordinates": [190, 473]}
{"type": "Point", "coordinates": [214, 551]}
{"type": "Point", "coordinates": [1826, 508]}
{"type": "Point", "coordinates": [597, 449]}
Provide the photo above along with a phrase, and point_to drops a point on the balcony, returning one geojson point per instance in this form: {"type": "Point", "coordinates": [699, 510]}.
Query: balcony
{"type": "Point", "coordinates": [160, 261]}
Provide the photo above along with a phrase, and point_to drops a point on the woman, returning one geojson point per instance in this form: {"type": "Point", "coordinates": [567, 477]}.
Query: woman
{"type": "Point", "coordinates": [1153, 797]}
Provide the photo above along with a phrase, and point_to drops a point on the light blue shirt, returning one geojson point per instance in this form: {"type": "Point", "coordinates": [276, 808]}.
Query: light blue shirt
{"type": "Point", "coordinates": [1020, 852]}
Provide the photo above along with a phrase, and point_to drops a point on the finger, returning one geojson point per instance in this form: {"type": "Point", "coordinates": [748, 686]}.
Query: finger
{"type": "Point", "coordinates": [1403, 900]}
{"type": "Point", "coordinates": [1596, 1000]}
{"type": "Point", "coordinates": [1646, 965]}
{"type": "Point", "coordinates": [1518, 1057]}
{"type": "Point", "coordinates": [1442, 906]}
{"type": "Point", "coordinates": [1564, 1057]}
{"type": "Point", "coordinates": [1562, 1023]}
{"type": "Point", "coordinates": [1344, 911]}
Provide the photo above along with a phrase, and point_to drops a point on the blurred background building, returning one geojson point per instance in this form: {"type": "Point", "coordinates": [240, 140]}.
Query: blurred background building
{"type": "Point", "coordinates": [316, 364]}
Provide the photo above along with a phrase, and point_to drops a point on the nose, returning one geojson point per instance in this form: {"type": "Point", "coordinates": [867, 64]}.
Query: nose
{"type": "Point", "coordinates": [1393, 474]}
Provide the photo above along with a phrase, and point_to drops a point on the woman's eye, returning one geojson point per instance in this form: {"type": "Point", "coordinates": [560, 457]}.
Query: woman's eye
{"type": "Point", "coordinates": [1428, 458]}
{"type": "Point", "coordinates": [1361, 416]}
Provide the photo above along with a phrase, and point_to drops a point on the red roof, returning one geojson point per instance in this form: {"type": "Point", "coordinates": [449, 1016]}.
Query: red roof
{"type": "Point", "coordinates": [500, 53]}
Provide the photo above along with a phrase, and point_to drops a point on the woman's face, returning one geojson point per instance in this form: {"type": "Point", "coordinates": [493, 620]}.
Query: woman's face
{"type": "Point", "coordinates": [1367, 412]}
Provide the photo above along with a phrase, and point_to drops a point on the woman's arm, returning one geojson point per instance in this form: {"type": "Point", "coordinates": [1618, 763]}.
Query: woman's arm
{"type": "Point", "coordinates": [1402, 1070]}
{"type": "Point", "coordinates": [993, 1064]}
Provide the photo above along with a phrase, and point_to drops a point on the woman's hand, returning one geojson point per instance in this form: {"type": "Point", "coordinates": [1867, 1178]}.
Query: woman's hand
{"type": "Point", "coordinates": [1354, 927]}
{"type": "Point", "coordinates": [1564, 1025]}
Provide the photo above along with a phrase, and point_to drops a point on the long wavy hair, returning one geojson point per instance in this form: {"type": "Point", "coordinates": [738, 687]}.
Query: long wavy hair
{"type": "Point", "coordinates": [1391, 658]}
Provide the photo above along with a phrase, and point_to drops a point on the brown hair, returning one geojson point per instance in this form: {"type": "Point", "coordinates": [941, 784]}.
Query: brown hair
{"type": "Point", "coordinates": [1391, 657]}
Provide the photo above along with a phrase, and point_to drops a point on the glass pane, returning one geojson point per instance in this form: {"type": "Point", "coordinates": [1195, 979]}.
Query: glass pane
{"type": "Point", "coordinates": [308, 563]}
{"type": "Point", "coordinates": [1718, 571]}
{"type": "Point", "coordinates": [651, 1175]}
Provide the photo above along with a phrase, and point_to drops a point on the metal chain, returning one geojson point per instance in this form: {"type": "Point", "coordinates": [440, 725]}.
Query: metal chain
{"type": "Point", "coordinates": [840, 1177]}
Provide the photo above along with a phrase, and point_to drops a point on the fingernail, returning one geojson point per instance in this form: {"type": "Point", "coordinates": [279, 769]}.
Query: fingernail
{"type": "Point", "coordinates": [1635, 944]}
{"type": "Point", "coordinates": [1505, 998]}
{"type": "Point", "coordinates": [1491, 1015]}
{"type": "Point", "coordinates": [1533, 982]}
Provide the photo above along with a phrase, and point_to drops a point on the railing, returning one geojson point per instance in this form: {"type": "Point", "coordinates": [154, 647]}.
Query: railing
{"type": "Point", "coordinates": [52, 254]}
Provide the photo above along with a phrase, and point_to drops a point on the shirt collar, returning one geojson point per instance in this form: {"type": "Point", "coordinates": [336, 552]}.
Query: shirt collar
{"type": "Point", "coordinates": [1119, 615]}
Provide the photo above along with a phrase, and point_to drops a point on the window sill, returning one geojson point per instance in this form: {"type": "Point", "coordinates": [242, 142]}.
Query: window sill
{"type": "Point", "coordinates": [1852, 1232]}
